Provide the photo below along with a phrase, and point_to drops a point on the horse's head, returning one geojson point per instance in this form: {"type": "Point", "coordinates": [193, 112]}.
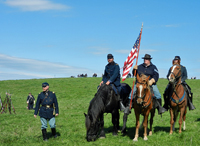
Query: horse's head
{"type": "Point", "coordinates": [92, 128]}
{"type": "Point", "coordinates": [175, 73]}
{"type": "Point", "coordinates": [141, 88]}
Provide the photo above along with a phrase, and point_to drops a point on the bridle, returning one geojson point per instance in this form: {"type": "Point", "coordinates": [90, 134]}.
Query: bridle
{"type": "Point", "coordinates": [144, 102]}
{"type": "Point", "coordinates": [177, 76]}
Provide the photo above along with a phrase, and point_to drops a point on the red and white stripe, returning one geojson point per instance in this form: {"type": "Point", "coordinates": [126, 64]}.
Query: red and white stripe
{"type": "Point", "coordinates": [129, 62]}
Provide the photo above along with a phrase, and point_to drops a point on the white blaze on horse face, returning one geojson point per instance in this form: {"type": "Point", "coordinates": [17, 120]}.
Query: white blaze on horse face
{"type": "Point", "coordinates": [140, 87]}
{"type": "Point", "coordinates": [172, 71]}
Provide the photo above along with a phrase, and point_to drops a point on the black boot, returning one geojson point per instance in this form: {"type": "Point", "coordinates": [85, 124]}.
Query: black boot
{"type": "Point", "coordinates": [159, 107]}
{"type": "Point", "coordinates": [53, 130]}
{"type": "Point", "coordinates": [44, 133]}
{"type": "Point", "coordinates": [190, 105]}
{"type": "Point", "coordinates": [166, 102]}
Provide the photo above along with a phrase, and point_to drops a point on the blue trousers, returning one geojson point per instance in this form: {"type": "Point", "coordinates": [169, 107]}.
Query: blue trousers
{"type": "Point", "coordinates": [155, 91]}
{"type": "Point", "coordinates": [52, 122]}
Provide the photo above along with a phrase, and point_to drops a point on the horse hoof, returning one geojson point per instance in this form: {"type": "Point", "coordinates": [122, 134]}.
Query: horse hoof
{"type": "Point", "coordinates": [180, 132]}
{"type": "Point", "coordinates": [150, 133]}
{"type": "Point", "coordinates": [102, 137]}
{"type": "Point", "coordinates": [119, 131]}
{"type": "Point", "coordinates": [145, 138]}
{"type": "Point", "coordinates": [135, 139]}
{"type": "Point", "coordinates": [170, 133]}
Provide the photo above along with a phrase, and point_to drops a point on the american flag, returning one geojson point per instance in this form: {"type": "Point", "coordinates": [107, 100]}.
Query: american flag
{"type": "Point", "coordinates": [133, 54]}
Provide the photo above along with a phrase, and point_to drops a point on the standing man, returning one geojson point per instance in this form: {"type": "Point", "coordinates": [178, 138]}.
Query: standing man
{"type": "Point", "coordinates": [48, 110]}
{"type": "Point", "coordinates": [183, 78]}
{"type": "Point", "coordinates": [149, 69]}
{"type": "Point", "coordinates": [111, 77]}
{"type": "Point", "coordinates": [30, 101]}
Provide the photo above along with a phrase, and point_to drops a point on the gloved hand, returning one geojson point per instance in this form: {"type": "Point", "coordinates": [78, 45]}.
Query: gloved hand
{"type": "Point", "coordinates": [135, 67]}
{"type": "Point", "coordinates": [151, 81]}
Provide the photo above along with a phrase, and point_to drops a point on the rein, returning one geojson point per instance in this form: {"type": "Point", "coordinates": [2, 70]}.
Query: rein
{"type": "Point", "coordinates": [144, 96]}
{"type": "Point", "coordinates": [177, 78]}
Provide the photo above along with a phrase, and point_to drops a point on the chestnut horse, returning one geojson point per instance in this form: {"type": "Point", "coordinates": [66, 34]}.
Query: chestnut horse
{"type": "Point", "coordinates": [178, 99]}
{"type": "Point", "coordinates": [143, 104]}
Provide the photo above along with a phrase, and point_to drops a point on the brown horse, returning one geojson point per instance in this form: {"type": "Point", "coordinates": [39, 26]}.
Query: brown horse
{"type": "Point", "coordinates": [143, 104]}
{"type": "Point", "coordinates": [178, 100]}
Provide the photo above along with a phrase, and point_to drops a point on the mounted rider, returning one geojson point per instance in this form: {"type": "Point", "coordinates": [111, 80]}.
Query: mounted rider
{"type": "Point", "coordinates": [112, 77]}
{"type": "Point", "coordinates": [149, 69]}
{"type": "Point", "coordinates": [167, 92]}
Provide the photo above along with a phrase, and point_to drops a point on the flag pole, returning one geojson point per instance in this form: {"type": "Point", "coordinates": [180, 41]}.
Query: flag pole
{"type": "Point", "coordinates": [138, 49]}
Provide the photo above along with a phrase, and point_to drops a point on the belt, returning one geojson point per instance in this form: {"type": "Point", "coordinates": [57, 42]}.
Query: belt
{"type": "Point", "coordinates": [48, 106]}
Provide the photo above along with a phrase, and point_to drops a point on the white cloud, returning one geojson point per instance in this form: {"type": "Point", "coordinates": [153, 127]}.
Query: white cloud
{"type": "Point", "coordinates": [35, 5]}
{"type": "Point", "coordinates": [29, 68]}
{"type": "Point", "coordinates": [99, 50]}
{"type": "Point", "coordinates": [123, 51]}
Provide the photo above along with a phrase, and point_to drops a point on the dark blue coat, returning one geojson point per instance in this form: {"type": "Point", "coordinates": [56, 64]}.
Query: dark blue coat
{"type": "Point", "coordinates": [183, 73]}
{"type": "Point", "coordinates": [49, 100]}
{"type": "Point", "coordinates": [150, 70]}
{"type": "Point", "coordinates": [112, 74]}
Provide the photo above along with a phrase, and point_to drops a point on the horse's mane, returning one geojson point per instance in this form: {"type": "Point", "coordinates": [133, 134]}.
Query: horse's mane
{"type": "Point", "coordinates": [98, 103]}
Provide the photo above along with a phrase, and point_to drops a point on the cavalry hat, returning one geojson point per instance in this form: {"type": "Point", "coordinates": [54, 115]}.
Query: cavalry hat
{"type": "Point", "coordinates": [177, 58]}
{"type": "Point", "coordinates": [45, 84]}
{"type": "Point", "coordinates": [147, 56]}
{"type": "Point", "coordinates": [109, 56]}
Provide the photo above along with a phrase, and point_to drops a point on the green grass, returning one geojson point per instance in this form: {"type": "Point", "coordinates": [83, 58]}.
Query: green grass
{"type": "Point", "coordinates": [74, 95]}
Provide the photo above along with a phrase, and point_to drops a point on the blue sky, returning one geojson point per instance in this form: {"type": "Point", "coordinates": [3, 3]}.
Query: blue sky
{"type": "Point", "coordinates": [63, 38]}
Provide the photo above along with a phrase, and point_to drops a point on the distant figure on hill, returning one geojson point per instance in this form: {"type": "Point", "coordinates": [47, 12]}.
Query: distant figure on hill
{"type": "Point", "coordinates": [48, 110]}
{"type": "Point", "coordinates": [94, 75]}
{"type": "Point", "coordinates": [30, 101]}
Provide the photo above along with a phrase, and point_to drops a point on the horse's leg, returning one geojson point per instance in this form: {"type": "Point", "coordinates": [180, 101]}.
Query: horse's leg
{"type": "Point", "coordinates": [137, 115]}
{"type": "Point", "coordinates": [175, 117]}
{"type": "Point", "coordinates": [125, 117]}
{"type": "Point", "coordinates": [115, 121]}
{"type": "Point", "coordinates": [151, 121]}
{"type": "Point", "coordinates": [184, 117]}
{"type": "Point", "coordinates": [171, 121]}
{"type": "Point", "coordinates": [102, 132]}
{"type": "Point", "coordinates": [145, 124]}
{"type": "Point", "coordinates": [182, 113]}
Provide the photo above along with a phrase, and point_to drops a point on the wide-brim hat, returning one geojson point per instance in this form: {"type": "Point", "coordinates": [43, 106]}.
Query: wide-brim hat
{"type": "Point", "coordinates": [147, 56]}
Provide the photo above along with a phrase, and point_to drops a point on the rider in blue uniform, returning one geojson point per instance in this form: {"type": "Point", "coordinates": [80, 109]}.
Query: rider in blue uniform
{"type": "Point", "coordinates": [169, 87]}
{"type": "Point", "coordinates": [149, 69]}
{"type": "Point", "coordinates": [112, 77]}
{"type": "Point", "coordinates": [48, 110]}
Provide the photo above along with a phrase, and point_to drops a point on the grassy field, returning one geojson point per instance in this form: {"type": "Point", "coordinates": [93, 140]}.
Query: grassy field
{"type": "Point", "coordinates": [74, 95]}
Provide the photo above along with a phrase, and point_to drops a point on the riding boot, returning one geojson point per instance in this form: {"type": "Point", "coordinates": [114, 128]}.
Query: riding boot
{"type": "Point", "coordinates": [190, 105]}
{"type": "Point", "coordinates": [53, 130]}
{"type": "Point", "coordinates": [159, 107]}
{"type": "Point", "coordinates": [166, 102]}
{"type": "Point", "coordinates": [44, 133]}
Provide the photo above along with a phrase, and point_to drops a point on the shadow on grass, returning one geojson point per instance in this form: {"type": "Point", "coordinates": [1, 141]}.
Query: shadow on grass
{"type": "Point", "coordinates": [197, 120]}
{"type": "Point", "coordinates": [49, 135]}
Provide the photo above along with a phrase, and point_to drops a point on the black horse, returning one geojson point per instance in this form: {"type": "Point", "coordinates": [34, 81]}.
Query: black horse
{"type": "Point", "coordinates": [104, 101]}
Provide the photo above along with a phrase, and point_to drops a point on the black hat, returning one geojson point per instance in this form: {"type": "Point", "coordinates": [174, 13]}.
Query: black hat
{"type": "Point", "coordinates": [109, 56]}
{"type": "Point", "coordinates": [45, 84]}
{"type": "Point", "coordinates": [147, 56]}
{"type": "Point", "coordinates": [177, 58]}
